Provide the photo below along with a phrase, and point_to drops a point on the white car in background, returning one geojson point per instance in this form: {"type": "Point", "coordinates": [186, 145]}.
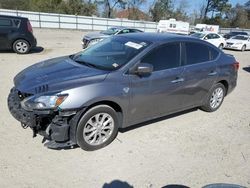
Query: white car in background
{"type": "Point", "coordinates": [213, 38]}
{"type": "Point", "coordinates": [239, 42]}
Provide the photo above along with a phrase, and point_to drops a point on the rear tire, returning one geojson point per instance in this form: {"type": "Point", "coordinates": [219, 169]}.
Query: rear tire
{"type": "Point", "coordinates": [21, 46]}
{"type": "Point", "coordinates": [243, 48]}
{"type": "Point", "coordinates": [97, 128]}
{"type": "Point", "coordinates": [215, 98]}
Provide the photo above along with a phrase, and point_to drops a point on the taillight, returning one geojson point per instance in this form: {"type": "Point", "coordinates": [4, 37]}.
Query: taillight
{"type": "Point", "coordinates": [29, 27]}
{"type": "Point", "coordinates": [236, 65]}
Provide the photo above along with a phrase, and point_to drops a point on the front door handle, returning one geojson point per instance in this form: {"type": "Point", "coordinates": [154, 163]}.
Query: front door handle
{"type": "Point", "coordinates": [177, 80]}
{"type": "Point", "coordinates": [212, 73]}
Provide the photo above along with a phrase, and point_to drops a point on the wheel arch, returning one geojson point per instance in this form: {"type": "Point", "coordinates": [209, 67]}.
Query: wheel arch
{"type": "Point", "coordinates": [12, 44]}
{"type": "Point", "coordinates": [244, 45]}
{"type": "Point", "coordinates": [75, 120]}
{"type": "Point", "coordinates": [112, 104]}
{"type": "Point", "coordinates": [226, 85]}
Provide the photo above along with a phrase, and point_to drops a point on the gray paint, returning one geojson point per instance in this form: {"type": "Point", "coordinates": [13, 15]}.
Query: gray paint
{"type": "Point", "coordinates": [140, 98]}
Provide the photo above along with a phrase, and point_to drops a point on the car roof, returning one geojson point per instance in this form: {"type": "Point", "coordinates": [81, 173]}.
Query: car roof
{"type": "Point", "coordinates": [208, 32]}
{"type": "Point", "coordinates": [238, 32]}
{"type": "Point", "coordinates": [158, 37]}
{"type": "Point", "coordinates": [241, 36]}
{"type": "Point", "coordinates": [8, 16]}
{"type": "Point", "coordinates": [199, 33]}
{"type": "Point", "coordinates": [123, 27]}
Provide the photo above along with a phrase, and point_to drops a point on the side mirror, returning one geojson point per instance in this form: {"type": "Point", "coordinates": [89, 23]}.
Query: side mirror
{"type": "Point", "coordinates": [205, 38]}
{"type": "Point", "coordinates": [144, 69]}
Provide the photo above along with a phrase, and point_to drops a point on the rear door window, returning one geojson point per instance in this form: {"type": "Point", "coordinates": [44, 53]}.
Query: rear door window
{"type": "Point", "coordinates": [164, 57]}
{"type": "Point", "coordinates": [5, 22]}
{"type": "Point", "coordinates": [124, 31]}
{"type": "Point", "coordinates": [215, 36]}
{"type": "Point", "coordinates": [209, 36]}
{"type": "Point", "coordinates": [196, 53]}
{"type": "Point", "coordinates": [134, 31]}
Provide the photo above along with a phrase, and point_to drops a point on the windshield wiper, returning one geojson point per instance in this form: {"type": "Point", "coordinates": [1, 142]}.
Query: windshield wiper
{"type": "Point", "coordinates": [87, 64]}
{"type": "Point", "coordinates": [74, 56]}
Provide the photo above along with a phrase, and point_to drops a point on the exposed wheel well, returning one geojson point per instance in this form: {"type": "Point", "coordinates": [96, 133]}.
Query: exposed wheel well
{"type": "Point", "coordinates": [225, 83]}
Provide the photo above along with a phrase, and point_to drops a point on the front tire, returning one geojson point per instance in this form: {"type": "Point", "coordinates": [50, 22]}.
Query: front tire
{"type": "Point", "coordinates": [215, 98]}
{"type": "Point", "coordinates": [21, 46]}
{"type": "Point", "coordinates": [221, 46]}
{"type": "Point", "coordinates": [243, 48]}
{"type": "Point", "coordinates": [97, 128]}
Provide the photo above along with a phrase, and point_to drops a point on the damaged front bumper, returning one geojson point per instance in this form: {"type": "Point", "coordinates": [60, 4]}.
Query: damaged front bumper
{"type": "Point", "coordinates": [57, 127]}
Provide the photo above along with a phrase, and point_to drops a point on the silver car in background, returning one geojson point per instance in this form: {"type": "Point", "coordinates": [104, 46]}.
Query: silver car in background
{"type": "Point", "coordinates": [95, 37]}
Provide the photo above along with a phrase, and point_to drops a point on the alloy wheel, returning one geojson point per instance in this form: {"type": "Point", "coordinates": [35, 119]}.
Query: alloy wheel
{"type": "Point", "coordinates": [216, 98]}
{"type": "Point", "coordinates": [98, 129]}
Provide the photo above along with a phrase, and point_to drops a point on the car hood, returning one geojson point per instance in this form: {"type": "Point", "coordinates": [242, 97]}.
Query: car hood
{"type": "Point", "coordinates": [95, 35]}
{"type": "Point", "coordinates": [235, 41]}
{"type": "Point", "coordinates": [55, 75]}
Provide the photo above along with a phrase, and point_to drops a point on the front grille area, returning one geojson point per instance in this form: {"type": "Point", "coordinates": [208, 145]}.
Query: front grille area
{"type": "Point", "coordinates": [23, 95]}
{"type": "Point", "coordinates": [14, 103]}
{"type": "Point", "coordinates": [230, 43]}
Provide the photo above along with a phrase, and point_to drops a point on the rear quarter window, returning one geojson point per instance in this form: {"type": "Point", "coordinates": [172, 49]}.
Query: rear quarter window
{"type": "Point", "coordinates": [5, 22]}
{"type": "Point", "coordinates": [213, 53]}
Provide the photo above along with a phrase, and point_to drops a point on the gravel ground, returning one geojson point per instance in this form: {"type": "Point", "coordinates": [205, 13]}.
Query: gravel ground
{"type": "Point", "coordinates": [192, 149]}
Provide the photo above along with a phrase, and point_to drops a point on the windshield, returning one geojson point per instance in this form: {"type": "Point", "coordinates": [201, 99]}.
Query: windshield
{"type": "Point", "coordinates": [240, 37]}
{"type": "Point", "coordinates": [198, 29]}
{"type": "Point", "coordinates": [111, 53]}
{"type": "Point", "coordinates": [111, 31]}
{"type": "Point", "coordinates": [198, 35]}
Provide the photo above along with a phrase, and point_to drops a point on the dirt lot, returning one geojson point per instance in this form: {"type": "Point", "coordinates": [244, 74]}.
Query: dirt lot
{"type": "Point", "coordinates": [192, 149]}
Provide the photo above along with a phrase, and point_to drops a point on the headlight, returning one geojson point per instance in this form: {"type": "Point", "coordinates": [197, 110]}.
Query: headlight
{"type": "Point", "coordinates": [43, 102]}
{"type": "Point", "coordinates": [94, 41]}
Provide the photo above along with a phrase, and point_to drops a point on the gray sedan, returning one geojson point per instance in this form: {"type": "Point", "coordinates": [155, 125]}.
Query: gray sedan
{"type": "Point", "coordinates": [85, 98]}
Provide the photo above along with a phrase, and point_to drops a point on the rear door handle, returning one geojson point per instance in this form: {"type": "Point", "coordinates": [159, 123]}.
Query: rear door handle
{"type": "Point", "coordinates": [212, 73]}
{"type": "Point", "coordinates": [177, 80]}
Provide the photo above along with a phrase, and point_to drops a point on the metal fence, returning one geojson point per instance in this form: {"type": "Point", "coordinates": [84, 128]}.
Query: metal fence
{"type": "Point", "coordinates": [64, 21]}
{"type": "Point", "coordinates": [227, 30]}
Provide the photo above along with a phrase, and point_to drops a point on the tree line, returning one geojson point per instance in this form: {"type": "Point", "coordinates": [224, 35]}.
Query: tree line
{"type": "Point", "coordinates": [218, 12]}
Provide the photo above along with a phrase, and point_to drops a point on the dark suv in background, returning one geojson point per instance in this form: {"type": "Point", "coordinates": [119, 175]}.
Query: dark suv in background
{"type": "Point", "coordinates": [16, 33]}
{"type": "Point", "coordinates": [234, 33]}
